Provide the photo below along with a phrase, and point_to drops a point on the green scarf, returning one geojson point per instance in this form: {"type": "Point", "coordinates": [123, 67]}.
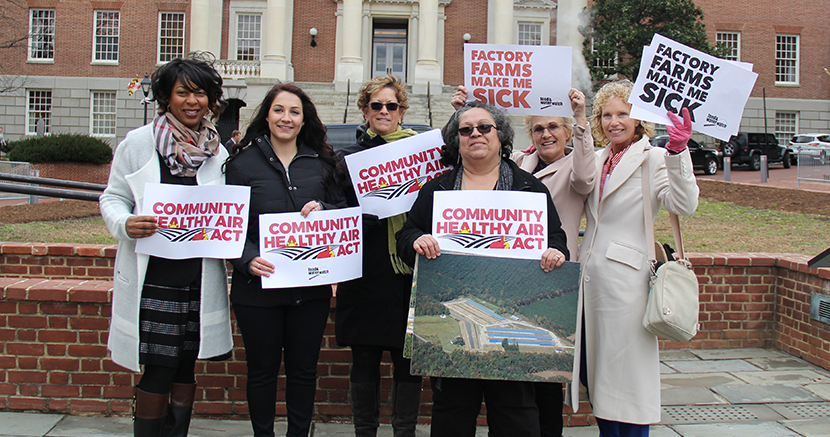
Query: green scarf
{"type": "Point", "coordinates": [395, 223]}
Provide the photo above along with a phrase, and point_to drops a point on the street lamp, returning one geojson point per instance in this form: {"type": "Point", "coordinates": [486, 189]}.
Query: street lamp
{"type": "Point", "coordinates": [145, 88]}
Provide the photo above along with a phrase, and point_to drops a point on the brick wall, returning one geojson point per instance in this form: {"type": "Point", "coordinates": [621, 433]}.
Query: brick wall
{"type": "Point", "coordinates": [53, 333]}
{"type": "Point", "coordinates": [74, 171]}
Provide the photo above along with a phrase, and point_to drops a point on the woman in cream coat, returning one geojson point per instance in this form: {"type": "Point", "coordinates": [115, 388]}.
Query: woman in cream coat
{"type": "Point", "coordinates": [622, 361]}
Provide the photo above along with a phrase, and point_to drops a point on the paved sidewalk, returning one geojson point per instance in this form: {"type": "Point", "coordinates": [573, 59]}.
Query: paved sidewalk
{"type": "Point", "coordinates": [706, 393]}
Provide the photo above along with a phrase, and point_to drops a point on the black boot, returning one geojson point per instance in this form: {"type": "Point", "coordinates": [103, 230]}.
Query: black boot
{"type": "Point", "coordinates": [149, 413]}
{"type": "Point", "coordinates": [181, 408]}
{"type": "Point", "coordinates": [365, 399]}
{"type": "Point", "coordinates": [406, 407]}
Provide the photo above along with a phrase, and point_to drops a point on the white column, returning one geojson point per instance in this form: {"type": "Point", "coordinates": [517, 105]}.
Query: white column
{"type": "Point", "coordinates": [350, 64]}
{"type": "Point", "coordinates": [427, 69]}
{"type": "Point", "coordinates": [503, 23]}
{"type": "Point", "coordinates": [273, 63]}
{"type": "Point", "coordinates": [205, 18]}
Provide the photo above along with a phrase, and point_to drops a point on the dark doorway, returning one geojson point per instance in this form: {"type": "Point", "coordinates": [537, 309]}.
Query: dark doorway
{"type": "Point", "coordinates": [229, 120]}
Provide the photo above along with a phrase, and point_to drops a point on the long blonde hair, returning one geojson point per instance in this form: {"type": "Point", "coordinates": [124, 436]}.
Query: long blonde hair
{"type": "Point", "coordinates": [620, 89]}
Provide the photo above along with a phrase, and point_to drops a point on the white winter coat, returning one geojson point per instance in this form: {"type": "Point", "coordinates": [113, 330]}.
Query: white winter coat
{"type": "Point", "coordinates": [134, 164]}
{"type": "Point", "coordinates": [622, 357]}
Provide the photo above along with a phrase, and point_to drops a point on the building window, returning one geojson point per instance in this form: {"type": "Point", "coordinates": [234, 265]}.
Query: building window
{"type": "Point", "coordinates": [786, 58]}
{"type": "Point", "coordinates": [248, 34]}
{"type": "Point", "coordinates": [732, 41]}
{"type": "Point", "coordinates": [171, 36]}
{"type": "Point", "coordinates": [38, 107]}
{"type": "Point", "coordinates": [107, 32]}
{"type": "Point", "coordinates": [599, 62]}
{"type": "Point", "coordinates": [42, 34]}
{"type": "Point", "coordinates": [786, 125]}
{"type": "Point", "coordinates": [530, 34]}
{"type": "Point", "coordinates": [103, 113]}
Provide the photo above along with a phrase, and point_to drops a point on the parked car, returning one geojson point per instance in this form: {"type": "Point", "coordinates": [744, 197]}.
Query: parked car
{"type": "Point", "coordinates": [747, 148]}
{"type": "Point", "coordinates": [704, 159]}
{"type": "Point", "coordinates": [807, 146]}
{"type": "Point", "coordinates": [341, 135]}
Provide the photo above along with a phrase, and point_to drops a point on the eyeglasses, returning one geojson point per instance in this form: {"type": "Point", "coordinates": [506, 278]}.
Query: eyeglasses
{"type": "Point", "coordinates": [553, 128]}
{"type": "Point", "coordinates": [390, 106]}
{"type": "Point", "coordinates": [483, 129]}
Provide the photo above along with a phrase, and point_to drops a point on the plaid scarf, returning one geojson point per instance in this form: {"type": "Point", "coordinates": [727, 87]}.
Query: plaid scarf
{"type": "Point", "coordinates": [183, 149]}
{"type": "Point", "coordinates": [608, 167]}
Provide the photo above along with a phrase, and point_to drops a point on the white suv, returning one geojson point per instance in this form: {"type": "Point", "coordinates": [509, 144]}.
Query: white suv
{"type": "Point", "coordinates": [811, 146]}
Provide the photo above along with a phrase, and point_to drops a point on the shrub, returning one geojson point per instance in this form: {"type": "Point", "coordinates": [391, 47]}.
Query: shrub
{"type": "Point", "coordinates": [61, 148]}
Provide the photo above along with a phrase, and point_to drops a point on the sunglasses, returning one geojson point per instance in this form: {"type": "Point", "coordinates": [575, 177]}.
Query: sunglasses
{"type": "Point", "coordinates": [390, 106]}
{"type": "Point", "coordinates": [553, 128]}
{"type": "Point", "coordinates": [483, 129]}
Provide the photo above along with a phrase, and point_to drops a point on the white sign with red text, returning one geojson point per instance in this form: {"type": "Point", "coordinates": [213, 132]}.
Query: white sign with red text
{"type": "Point", "coordinates": [386, 178]}
{"type": "Point", "coordinates": [673, 76]}
{"type": "Point", "coordinates": [530, 80]}
{"type": "Point", "coordinates": [207, 221]}
{"type": "Point", "coordinates": [323, 248]}
{"type": "Point", "coordinates": [507, 224]}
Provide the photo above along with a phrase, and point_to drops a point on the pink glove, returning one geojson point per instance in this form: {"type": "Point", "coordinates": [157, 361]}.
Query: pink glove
{"type": "Point", "coordinates": [530, 149]}
{"type": "Point", "coordinates": [679, 134]}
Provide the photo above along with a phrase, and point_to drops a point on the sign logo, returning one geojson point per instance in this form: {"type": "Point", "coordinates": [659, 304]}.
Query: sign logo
{"type": "Point", "coordinates": [476, 241]}
{"type": "Point", "coordinates": [394, 191]}
{"type": "Point", "coordinates": [713, 120]}
{"type": "Point", "coordinates": [547, 102]}
{"type": "Point", "coordinates": [300, 253]}
{"type": "Point", "coordinates": [314, 272]}
{"type": "Point", "coordinates": [179, 235]}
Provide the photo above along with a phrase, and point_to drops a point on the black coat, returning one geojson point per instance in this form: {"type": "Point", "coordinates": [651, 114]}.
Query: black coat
{"type": "Point", "coordinates": [258, 167]}
{"type": "Point", "coordinates": [372, 310]}
{"type": "Point", "coordinates": [419, 221]}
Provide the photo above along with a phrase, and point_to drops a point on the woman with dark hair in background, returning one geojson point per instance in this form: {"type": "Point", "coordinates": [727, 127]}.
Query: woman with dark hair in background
{"type": "Point", "coordinates": [285, 159]}
{"type": "Point", "coordinates": [478, 140]}
{"type": "Point", "coordinates": [167, 313]}
{"type": "Point", "coordinates": [372, 310]}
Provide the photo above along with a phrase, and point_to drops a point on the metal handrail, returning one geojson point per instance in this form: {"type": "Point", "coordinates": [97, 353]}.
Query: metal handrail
{"type": "Point", "coordinates": [50, 192]}
{"type": "Point", "coordinates": [54, 182]}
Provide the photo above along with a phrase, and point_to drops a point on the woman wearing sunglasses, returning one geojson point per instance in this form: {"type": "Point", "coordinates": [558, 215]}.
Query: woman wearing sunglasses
{"type": "Point", "coordinates": [372, 310]}
{"type": "Point", "coordinates": [478, 141]}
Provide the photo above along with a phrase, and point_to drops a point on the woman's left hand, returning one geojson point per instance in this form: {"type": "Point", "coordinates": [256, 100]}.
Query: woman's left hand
{"type": "Point", "coordinates": [578, 106]}
{"type": "Point", "coordinates": [312, 205]}
{"type": "Point", "coordinates": [552, 259]}
{"type": "Point", "coordinates": [680, 133]}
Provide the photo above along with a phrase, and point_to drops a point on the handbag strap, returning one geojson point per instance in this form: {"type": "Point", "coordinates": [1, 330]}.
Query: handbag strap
{"type": "Point", "coordinates": [648, 216]}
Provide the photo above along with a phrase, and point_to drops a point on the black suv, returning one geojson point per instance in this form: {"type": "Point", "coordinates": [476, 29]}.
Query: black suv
{"type": "Point", "coordinates": [708, 160]}
{"type": "Point", "coordinates": [747, 148]}
{"type": "Point", "coordinates": [341, 135]}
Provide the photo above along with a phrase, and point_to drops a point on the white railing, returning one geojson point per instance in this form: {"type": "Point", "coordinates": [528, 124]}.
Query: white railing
{"type": "Point", "coordinates": [230, 69]}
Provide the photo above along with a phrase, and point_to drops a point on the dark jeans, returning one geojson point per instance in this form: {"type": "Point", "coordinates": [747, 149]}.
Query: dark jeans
{"type": "Point", "coordinates": [267, 332]}
{"type": "Point", "coordinates": [511, 407]}
{"type": "Point", "coordinates": [610, 428]}
{"type": "Point", "coordinates": [366, 365]}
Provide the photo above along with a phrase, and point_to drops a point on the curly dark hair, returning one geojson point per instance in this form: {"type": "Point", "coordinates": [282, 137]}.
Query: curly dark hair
{"type": "Point", "coordinates": [449, 153]}
{"type": "Point", "coordinates": [312, 133]}
{"type": "Point", "coordinates": [195, 72]}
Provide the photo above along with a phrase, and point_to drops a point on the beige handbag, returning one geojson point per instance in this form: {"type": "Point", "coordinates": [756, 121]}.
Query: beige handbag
{"type": "Point", "coordinates": [673, 304]}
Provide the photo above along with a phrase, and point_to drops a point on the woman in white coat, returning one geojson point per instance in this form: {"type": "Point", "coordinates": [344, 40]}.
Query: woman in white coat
{"type": "Point", "coordinates": [167, 313]}
{"type": "Point", "coordinates": [621, 360]}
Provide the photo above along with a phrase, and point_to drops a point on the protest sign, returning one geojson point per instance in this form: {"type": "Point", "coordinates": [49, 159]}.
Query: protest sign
{"type": "Point", "coordinates": [386, 179]}
{"type": "Point", "coordinates": [493, 318]}
{"type": "Point", "coordinates": [530, 80]}
{"type": "Point", "coordinates": [673, 76]}
{"type": "Point", "coordinates": [507, 224]}
{"type": "Point", "coordinates": [323, 248]}
{"type": "Point", "coordinates": [207, 221]}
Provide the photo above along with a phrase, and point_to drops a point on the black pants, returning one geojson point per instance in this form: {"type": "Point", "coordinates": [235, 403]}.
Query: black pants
{"type": "Point", "coordinates": [511, 407]}
{"type": "Point", "coordinates": [366, 365]}
{"type": "Point", "coordinates": [267, 332]}
{"type": "Point", "coordinates": [549, 399]}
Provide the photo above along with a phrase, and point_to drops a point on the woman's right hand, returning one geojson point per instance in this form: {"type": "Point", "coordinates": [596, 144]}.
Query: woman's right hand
{"type": "Point", "coordinates": [578, 106]}
{"type": "Point", "coordinates": [141, 226]}
{"type": "Point", "coordinates": [427, 246]}
{"type": "Point", "coordinates": [259, 266]}
{"type": "Point", "coordinates": [459, 98]}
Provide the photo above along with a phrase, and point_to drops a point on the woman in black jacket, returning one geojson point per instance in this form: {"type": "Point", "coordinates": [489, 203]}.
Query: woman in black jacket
{"type": "Point", "coordinates": [286, 161]}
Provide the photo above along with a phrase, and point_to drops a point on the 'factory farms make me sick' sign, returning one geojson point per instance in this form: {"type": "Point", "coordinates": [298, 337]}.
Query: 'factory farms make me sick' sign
{"type": "Point", "coordinates": [530, 80]}
{"type": "Point", "coordinates": [208, 221]}
{"type": "Point", "coordinates": [673, 76]}
{"type": "Point", "coordinates": [323, 248]}
{"type": "Point", "coordinates": [387, 178]}
{"type": "Point", "coordinates": [506, 224]}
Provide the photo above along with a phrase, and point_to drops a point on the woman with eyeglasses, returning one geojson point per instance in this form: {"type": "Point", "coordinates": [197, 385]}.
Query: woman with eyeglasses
{"type": "Point", "coordinates": [372, 310]}
{"type": "Point", "coordinates": [618, 359]}
{"type": "Point", "coordinates": [478, 141]}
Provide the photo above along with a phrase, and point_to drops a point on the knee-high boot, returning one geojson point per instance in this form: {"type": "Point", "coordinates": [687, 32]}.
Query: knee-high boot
{"type": "Point", "coordinates": [181, 409]}
{"type": "Point", "coordinates": [149, 413]}
{"type": "Point", "coordinates": [406, 407]}
{"type": "Point", "coordinates": [365, 400]}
